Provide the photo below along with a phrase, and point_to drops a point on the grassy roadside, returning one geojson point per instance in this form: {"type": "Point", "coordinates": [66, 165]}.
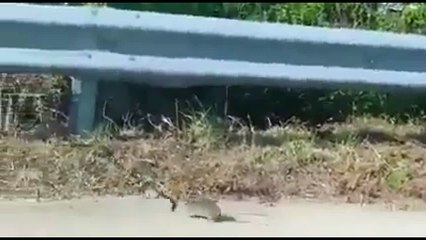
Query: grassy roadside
{"type": "Point", "coordinates": [364, 159]}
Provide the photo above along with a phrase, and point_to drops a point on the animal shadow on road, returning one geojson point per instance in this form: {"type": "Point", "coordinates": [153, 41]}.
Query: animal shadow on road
{"type": "Point", "coordinates": [222, 218]}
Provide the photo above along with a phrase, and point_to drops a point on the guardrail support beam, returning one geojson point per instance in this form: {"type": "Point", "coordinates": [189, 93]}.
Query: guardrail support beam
{"type": "Point", "coordinates": [83, 105]}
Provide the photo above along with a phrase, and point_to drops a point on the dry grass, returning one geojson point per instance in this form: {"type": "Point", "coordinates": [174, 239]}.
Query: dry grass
{"type": "Point", "coordinates": [363, 160]}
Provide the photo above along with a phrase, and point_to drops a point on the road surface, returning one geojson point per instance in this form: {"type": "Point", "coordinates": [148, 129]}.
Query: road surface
{"type": "Point", "coordinates": [134, 216]}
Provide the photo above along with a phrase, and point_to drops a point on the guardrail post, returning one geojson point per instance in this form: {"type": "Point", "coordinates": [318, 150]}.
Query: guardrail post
{"type": "Point", "coordinates": [83, 105]}
{"type": "Point", "coordinates": [105, 45]}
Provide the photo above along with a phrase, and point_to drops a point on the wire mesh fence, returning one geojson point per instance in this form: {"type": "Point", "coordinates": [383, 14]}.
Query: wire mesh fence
{"type": "Point", "coordinates": [28, 100]}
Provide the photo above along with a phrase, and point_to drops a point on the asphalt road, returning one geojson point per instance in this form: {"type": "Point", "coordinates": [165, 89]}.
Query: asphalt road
{"type": "Point", "coordinates": [134, 216]}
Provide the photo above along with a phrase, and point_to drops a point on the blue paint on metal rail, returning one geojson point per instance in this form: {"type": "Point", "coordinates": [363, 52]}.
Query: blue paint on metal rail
{"type": "Point", "coordinates": [149, 21]}
{"type": "Point", "coordinates": [186, 72]}
{"type": "Point", "coordinates": [97, 44]}
{"type": "Point", "coordinates": [176, 36]}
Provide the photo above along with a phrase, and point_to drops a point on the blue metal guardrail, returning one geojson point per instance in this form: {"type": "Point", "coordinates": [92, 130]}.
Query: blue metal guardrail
{"type": "Point", "coordinates": [103, 44]}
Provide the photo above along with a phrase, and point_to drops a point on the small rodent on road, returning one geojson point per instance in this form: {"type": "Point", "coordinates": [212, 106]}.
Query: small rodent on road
{"type": "Point", "coordinates": [133, 216]}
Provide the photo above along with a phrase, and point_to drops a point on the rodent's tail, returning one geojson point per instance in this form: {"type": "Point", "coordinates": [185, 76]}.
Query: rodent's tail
{"type": "Point", "coordinates": [174, 204]}
{"type": "Point", "coordinates": [172, 200]}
